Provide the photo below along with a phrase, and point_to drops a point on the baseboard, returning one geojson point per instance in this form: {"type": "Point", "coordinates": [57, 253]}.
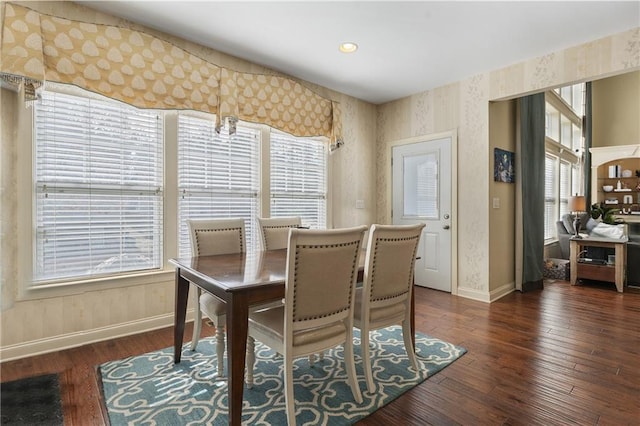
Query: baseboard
{"type": "Point", "coordinates": [475, 294]}
{"type": "Point", "coordinates": [483, 296]}
{"type": "Point", "coordinates": [502, 291]}
{"type": "Point", "coordinates": [72, 340]}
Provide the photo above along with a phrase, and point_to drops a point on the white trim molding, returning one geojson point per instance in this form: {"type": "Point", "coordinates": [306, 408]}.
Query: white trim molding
{"type": "Point", "coordinates": [601, 155]}
{"type": "Point", "coordinates": [73, 340]}
{"type": "Point", "coordinates": [483, 296]}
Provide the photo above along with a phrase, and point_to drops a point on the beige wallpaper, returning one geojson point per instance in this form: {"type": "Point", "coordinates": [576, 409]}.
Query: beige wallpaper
{"type": "Point", "coordinates": [502, 134]}
{"type": "Point", "coordinates": [464, 105]}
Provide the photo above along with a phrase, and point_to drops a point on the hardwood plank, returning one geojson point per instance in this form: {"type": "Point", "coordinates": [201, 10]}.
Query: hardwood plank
{"type": "Point", "coordinates": [562, 355]}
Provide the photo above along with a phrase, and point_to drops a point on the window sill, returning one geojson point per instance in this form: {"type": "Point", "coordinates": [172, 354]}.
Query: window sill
{"type": "Point", "coordinates": [70, 288]}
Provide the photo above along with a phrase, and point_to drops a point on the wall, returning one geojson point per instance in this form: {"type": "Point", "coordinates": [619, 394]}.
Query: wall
{"type": "Point", "coordinates": [42, 324]}
{"type": "Point", "coordinates": [502, 134]}
{"type": "Point", "coordinates": [464, 106]}
{"type": "Point", "coordinates": [616, 110]}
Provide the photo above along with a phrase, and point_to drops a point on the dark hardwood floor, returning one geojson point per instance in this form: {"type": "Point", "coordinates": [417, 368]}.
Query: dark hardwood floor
{"type": "Point", "coordinates": [563, 355]}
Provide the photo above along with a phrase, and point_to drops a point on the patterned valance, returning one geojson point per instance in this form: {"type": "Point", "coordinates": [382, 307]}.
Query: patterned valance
{"type": "Point", "coordinates": [147, 72]}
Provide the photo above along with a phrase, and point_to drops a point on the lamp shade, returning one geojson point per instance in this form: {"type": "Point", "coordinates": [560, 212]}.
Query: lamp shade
{"type": "Point", "coordinates": [577, 204]}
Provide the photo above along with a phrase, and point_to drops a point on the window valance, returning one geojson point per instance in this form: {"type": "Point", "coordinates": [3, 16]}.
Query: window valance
{"type": "Point", "coordinates": [147, 72]}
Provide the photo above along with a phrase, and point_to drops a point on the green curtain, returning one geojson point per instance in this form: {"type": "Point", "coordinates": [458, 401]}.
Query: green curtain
{"type": "Point", "coordinates": [532, 135]}
{"type": "Point", "coordinates": [586, 131]}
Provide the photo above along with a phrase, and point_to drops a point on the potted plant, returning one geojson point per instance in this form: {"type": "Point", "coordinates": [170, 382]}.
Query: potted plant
{"type": "Point", "coordinates": [606, 213]}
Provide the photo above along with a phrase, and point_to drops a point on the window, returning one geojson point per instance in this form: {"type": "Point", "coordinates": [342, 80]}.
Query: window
{"type": "Point", "coordinates": [298, 179]}
{"type": "Point", "coordinates": [563, 146]}
{"type": "Point", "coordinates": [552, 123]}
{"type": "Point", "coordinates": [217, 175]}
{"type": "Point", "coordinates": [98, 179]}
{"type": "Point", "coordinates": [550, 190]}
{"type": "Point", "coordinates": [103, 171]}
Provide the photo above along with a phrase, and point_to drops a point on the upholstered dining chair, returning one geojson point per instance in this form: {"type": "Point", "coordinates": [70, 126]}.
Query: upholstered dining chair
{"type": "Point", "coordinates": [274, 235]}
{"type": "Point", "coordinates": [211, 237]}
{"type": "Point", "coordinates": [274, 231]}
{"type": "Point", "coordinates": [321, 273]}
{"type": "Point", "coordinates": [385, 296]}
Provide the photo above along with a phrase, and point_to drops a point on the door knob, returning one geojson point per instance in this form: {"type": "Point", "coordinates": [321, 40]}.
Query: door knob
{"type": "Point", "coordinates": [445, 227]}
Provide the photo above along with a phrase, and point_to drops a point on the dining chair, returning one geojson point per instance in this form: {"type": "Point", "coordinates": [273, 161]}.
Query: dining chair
{"type": "Point", "coordinates": [211, 237]}
{"type": "Point", "coordinates": [274, 235]}
{"type": "Point", "coordinates": [385, 296]}
{"type": "Point", "coordinates": [274, 231]}
{"type": "Point", "coordinates": [321, 273]}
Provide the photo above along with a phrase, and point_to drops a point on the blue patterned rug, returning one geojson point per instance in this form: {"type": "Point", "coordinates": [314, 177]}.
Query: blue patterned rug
{"type": "Point", "coordinates": [151, 389]}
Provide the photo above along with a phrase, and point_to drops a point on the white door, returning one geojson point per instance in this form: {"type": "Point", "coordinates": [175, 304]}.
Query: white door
{"type": "Point", "coordinates": [421, 187]}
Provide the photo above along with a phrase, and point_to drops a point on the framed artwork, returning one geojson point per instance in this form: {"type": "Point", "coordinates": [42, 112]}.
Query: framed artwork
{"type": "Point", "coordinates": [503, 166]}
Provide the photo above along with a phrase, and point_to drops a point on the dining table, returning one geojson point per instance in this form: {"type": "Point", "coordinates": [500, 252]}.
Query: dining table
{"type": "Point", "coordinates": [242, 281]}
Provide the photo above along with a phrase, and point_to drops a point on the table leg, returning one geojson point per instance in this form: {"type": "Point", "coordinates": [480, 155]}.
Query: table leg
{"type": "Point", "coordinates": [182, 295]}
{"type": "Point", "coordinates": [237, 327]}
{"type": "Point", "coordinates": [621, 261]}
{"type": "Point", "coordinates": [574, 252]}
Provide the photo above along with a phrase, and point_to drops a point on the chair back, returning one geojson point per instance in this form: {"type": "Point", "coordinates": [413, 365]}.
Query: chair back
{"type": "Point", "coordinates": [274, 231]}
{"type": "Point", "coordinates": [322, 270]}
{"type": "Point", "coordinates": [216, 236]}
{"type": "Point", "coordinates": [388, 273]}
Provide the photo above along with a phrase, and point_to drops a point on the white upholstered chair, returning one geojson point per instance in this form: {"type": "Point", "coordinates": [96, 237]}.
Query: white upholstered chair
{"type": "Point", "coordinates": [385, 296]}
{"type": "Point", "coordinates": [274, 231]}
{"type": "Point", "coordinates": [321, 273]}
{"type": "Point", "coordinates": [211, 237]}
{"type": "Point", "coordinates": [274, 235]}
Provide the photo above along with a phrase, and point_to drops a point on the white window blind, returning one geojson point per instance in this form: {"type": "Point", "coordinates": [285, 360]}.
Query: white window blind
{"type": "Point", "coordinates": [565, 188]}
{"type": "Point", "coordinates": [550, 191]}
{"type": "Point", "coordinates": [218, 175]}
{"type": "Point", "coordinates": [298, 173]}
{"type": "Point", "coordinates": [421, 186]}
{"type": "Point", "coordinates": [99, 176]}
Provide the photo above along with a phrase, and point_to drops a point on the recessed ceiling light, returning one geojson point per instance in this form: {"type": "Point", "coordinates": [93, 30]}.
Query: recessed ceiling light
{"type": "Point", "coordinates": [348, 47]}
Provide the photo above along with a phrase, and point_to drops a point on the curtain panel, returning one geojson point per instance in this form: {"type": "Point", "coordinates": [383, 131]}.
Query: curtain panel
{"type": "Point", "coordinates": [147, 72]}
{"type": "Point", "coordinates": [532, 137]}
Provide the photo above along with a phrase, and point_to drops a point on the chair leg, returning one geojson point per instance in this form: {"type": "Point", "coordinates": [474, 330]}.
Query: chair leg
{"type": "Point", "coordinates": [220, 345]}
{"type": "Point", "coordinates": [312, 358]}
{"type": "Point", "coordinates": [251, 360]}
{"type": "Point", "coordinates": [288, 390]}
{"type": "Point", "coordinates": [197, 322]}
{"type": "Point", "coordinates": [366, 359]}
{"type": "Point", "coordinates": [408, 344]}
{"type": "Point", "coordinates": [351, 369]}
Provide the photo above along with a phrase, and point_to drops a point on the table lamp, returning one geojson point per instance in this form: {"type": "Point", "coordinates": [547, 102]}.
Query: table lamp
{"type": "Point", "coordinates": [577, 205]}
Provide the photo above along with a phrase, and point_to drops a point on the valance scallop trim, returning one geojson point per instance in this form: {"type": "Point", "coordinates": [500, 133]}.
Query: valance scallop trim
{"type": "Point", "coordinates": [147, 72]}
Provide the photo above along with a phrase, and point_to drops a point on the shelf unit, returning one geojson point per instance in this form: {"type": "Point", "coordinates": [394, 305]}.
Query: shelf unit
{"type": "Point", "coordinates": [626, 200]}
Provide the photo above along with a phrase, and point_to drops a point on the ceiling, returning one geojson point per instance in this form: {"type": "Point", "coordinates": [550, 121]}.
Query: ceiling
{"type": "Point", "coordinates": [404, 47]}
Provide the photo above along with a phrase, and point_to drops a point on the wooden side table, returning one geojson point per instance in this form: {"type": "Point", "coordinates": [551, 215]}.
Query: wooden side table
{"type": "Point", "coordinates": [611, 273]}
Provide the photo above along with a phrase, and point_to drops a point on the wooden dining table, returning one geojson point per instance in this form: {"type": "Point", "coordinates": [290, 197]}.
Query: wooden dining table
{"type": "Point", "coordinates": [241, 280]}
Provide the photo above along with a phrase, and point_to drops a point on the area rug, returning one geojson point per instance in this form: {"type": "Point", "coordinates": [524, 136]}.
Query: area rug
{"type": "Point", "coordinates": [151, 389]}
{"type": "Point", "coordinates": [31, 401]}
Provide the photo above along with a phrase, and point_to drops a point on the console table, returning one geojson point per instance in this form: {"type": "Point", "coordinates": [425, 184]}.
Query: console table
{"type": "Point", "coordinates": [611, 273]}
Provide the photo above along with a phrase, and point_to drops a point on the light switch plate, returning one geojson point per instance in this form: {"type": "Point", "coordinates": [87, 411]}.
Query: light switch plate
{"type": "Point", "coordinates": [359, 204]}
{"type": "Point", "coordinates": [496, 203]}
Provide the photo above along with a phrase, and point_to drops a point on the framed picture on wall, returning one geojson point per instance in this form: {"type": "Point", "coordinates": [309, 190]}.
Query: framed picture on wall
{"type": "Point", "coordinates": [503, 166]}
